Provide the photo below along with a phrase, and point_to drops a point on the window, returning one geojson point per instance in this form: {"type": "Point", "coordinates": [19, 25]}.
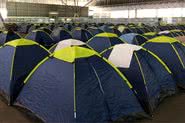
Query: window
{"type": "Point", "coordinates": [132, 13]}
{"type": "Point", "coordinates": [167, 12]}
{"type": "Point", "coordinates": [146, 13]}
{"type": "Point", "coordinates": [3, 13]}
{"type": "Point", "coordinates": [119, 14]}
{"type": "Point", "coordinates": [183, 12]}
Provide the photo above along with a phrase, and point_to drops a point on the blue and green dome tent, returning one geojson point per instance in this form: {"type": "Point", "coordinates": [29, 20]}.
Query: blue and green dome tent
{"type": "Point", "coordinates": [51, 26]}
{"type": "Point", "coordinates": [94, 30]}
{"type": "Point", "coordinates": [69, 27]}
{"type": "Point", "coordinates": [76, 84]}
{"type": "Point", "coordinates": [127, 30]}
{"type": "Point", "coordinates": [105, 27]}
{"type": "Point", "coordinates": [68, 43]}
{"type": "Point", "coordinates": [116, 31]}
{"type": "Point", "coordinates": [134, 38]}
{"type": "Point", "coordinates": [7, 36]}
{"type": "Point", "coordinates": [45, 29]}
{"type": "Point", "coordinates": [81, 34]}
{"type": "Point", "coordinates": [177, 33]}
{"type": "Point", "coordinates": [142, 30]}
{"type": "Point", "coordinates": [110, 29]}
{"type": "Point", "coordinates": [41, 37]}
{"type": "Point", "coordinates": [150, 77]}
{"type": "Point", "coordinates": [150, 35]}
{"type": "Point", "coordinates": [121, 27]}
{"type": "Point", "coordinates": [33, 27]}
{"type": "Point", "coordinates": [172, 33]}
{"type": "Point", "coordinates": [60, 34]}
{"type": "Point", "coordinates": [172, 52]}
{"type": "Point", "coordinates": [18, 58]}
{"type": "Point", "coordinates": [23, 28]}
{"type": "Point", "coordinates": [103, 41]}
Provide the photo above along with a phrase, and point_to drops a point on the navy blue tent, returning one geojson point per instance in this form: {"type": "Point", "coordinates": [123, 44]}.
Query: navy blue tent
{"type": "Point", "coordinates": [60, 34]}
{"type": "Point", "coordinates": [8, 36]}
{"type": "Point", "coordinates": [18, 58]}
{"type": "Point", "coordinates": [134, 38]}
{"type": "Point", "coordinates": [23, 28]}
{"type": "Point", "coordinates": [69, 27]}
{"type": "Point", "coordinates": [78, 88]}
{"type": "Point", "coordinates": [127, 30]}
{"type": "Point", "coordinates": [103, 41]}
{"type": "Point", "coordinates": [172, 52]}
{"type": "Point", "coordinates": [116, 31]}
{"type": "Point", "coordinates": [94, 30]}
{"type": "Point", "coordinates": [150, 77]}
{"type": "Point", "coordinates": [110, 29]}
{"type": "Point", "coordinates": [83, 25]}
{"type": "Point", "coordinates": [41, 37]}
{"type": "Point", "coordinates": [33, 27]}
{"type": "Point", "coordinates": [104, 27]}
{"type": "Point", "coordinates": [51, 26]}
{"type": "Point", "coordinates": [81, 34]}
{"type": "Point", "coordinates": [46, 30]}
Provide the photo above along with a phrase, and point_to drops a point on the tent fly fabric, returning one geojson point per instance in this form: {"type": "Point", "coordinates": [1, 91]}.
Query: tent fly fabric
{"type": "Point", "coordinates": [18, 58]}
{"type": "Point", "coordinates": [103, 41]}
{"type": "Point", "coordinates": [94, 31]}
{"type": "Point", "coordinates": [60, 34]}
{"type": "Point", "coordinates": [90, 72]}
{"type": "Point", "coordinates": [7, 36]}
{"type": "Point", "coordinates": [134, 38]}
{"type": "Point", "coordinates": [150, 77]}
{"type": "Point", "coordinates": [67, 43]}
{"type": "Point", "coordinates": [57, 90]}
{"type": "Point", "coordinates": [81, 34]}
{"type": "Point", "coordinates": [172, 52]}
{"type": "Point", "coordinates": [41, 37]}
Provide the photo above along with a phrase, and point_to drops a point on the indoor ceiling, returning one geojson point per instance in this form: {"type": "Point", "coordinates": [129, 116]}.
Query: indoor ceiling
{"type": "Point", "coordinates": [126, 2]}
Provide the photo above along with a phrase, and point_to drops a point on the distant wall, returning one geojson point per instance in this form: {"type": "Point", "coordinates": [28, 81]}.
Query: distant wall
{"type": "Point", "coordinates": [41, 10]}
{"type": "Point", "coordinates": [148, 21]}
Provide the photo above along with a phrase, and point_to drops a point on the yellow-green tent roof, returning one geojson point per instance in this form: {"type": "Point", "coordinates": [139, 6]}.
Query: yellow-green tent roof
{"type": "Point", "coordinates": [150, 33]}
{"type": "Point", "coordinates": [78, 28]}
{"type": "Point", "coordinates": [69, 54]}
{"type": "Point", "coordinates": [163, 39]}
{"type": "Point", "coordinates": [105, 34]}
{"type": "Point", "coordinates": [21, 42]}
{"type": "Point", "coordinates": [175, 30]}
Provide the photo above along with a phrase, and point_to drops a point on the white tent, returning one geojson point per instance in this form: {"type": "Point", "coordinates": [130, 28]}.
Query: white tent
{"type": "Point", "coordinates": [121, 54]}
{"type": "Point", "coordinates": [68, 43]}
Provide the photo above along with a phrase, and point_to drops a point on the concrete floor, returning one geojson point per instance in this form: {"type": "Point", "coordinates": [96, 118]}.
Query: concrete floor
{"type": "Point", "coordinates": [172, 110]}
{"type": "Point", "coordinates": [9, 114]}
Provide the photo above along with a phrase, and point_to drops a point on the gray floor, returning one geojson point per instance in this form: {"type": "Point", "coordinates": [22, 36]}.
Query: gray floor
{"type": "Point", "coordinates": [172, 110]}
{"type": "Point", "coordinates": [9, 114]}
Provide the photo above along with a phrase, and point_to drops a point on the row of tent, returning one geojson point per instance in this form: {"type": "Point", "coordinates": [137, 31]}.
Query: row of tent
{"type": "Point", "coordinates": [149, 74]}
{"type": "Point", "coordinates": [26, 27]}
{"type": "Point", "coordinates": [103, 79]}
{"type": "Point", "coordinates": [48, 39]}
